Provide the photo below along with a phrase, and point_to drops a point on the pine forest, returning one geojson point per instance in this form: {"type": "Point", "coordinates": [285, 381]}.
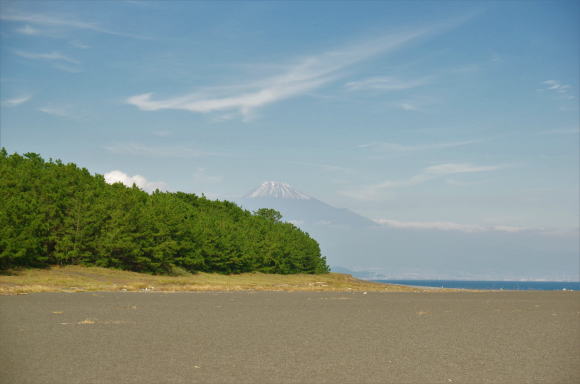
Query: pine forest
{"type": "Point", "coordinates": [53, 213]}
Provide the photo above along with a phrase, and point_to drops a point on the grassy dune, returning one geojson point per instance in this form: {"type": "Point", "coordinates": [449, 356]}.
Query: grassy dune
{"type": "Point", "coordinates": [82, 279]}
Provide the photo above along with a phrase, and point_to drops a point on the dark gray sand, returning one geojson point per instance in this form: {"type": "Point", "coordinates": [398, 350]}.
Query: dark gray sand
{"type": "Point", "coordinates": [282, 337]}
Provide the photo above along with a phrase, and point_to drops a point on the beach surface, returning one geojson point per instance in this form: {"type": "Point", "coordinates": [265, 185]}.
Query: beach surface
{"type": "Point", "coordinates": [290, 337]}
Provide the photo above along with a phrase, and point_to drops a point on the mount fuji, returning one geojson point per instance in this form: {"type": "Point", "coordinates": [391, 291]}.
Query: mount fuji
{"type": "Point", "coordinates": [277, 190]}
{"type": "Point", "coordinates": [301, 209]}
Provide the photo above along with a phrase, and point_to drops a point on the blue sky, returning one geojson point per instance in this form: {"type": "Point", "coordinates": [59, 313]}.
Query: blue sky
{"type": "Point", "coordinates": [445, 115]}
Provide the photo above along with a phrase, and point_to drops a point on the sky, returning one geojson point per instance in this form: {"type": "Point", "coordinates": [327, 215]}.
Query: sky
{"type": "Point", "coordinates": [454, 116]}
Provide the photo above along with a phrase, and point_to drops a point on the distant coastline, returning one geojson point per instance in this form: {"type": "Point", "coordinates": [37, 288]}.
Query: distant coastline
{"type": "Point", "coordinates": [490, 284]}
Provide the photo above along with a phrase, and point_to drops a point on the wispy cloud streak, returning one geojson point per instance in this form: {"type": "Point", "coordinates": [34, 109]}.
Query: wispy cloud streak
{"type": "Point", "coordinates": [28, 30]}
{"type": "Point", "coordinates": [303, 76]}
{"type": "Point", "coordinates": [16, 101]}
{"type": "Point", "coordinates": [50, 56]}
{"type": "Point", "coordinates": [454, 168]}
{"type": "Point", "coordinates": [60, 21]}
{"type": "Point", "coordinates": [377, 191]}
{"type": "Point", "coordinates": [58, 111]}
{"type": "Point", "coordinates": [78, 44]}
{"type": "Point", "coordinates": [407, 106]}
{"type": "Point", "coordinates": [395, 147]}
{"type": "Point", "coordinates": [385, 83]}
{"type": "Point", "coordinates": [559, 88]}
{"type": "Point", "coordinates": [49, 20]}
{"type": "Point", "coordinates": [449, 226]}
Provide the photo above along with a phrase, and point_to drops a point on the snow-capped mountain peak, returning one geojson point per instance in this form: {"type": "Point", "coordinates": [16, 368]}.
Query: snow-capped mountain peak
{"type": "Point", "coordinates": [277, 190]}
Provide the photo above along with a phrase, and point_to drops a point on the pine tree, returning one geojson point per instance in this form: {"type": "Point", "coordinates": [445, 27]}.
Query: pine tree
{"type": "Point", "coordinates": [57, 214]}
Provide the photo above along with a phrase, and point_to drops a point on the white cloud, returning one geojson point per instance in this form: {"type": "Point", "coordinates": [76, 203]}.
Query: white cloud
{"type": "Point", "coordinates": [59, 111]}
{"type": "Point", "coordinates": [453, 168]}
{"type": "Point", "coordinates": [117, 176]}
{"type": "Point", "coordinates": [28, 30]}
{"type": "Point", "coordinates": [78, 44]}
{"type": "Point", "coordinates": [449, 226]}
{"type": "Point", "coordinates": [555, 86]}
{"type": "Point", "coordinates": [156, 151]}
{"type": "Point", "coordinates": [407, 106]}
{"type": "Point", "coordinates": [385, 83]}
{"type": "Point", "coordinates": [414, 104]}
{"type": "Point", "coordinates": [377, 191]}
{"type": "Point", "coordinates": [395, 147]}
{"type": "Point", "coordinates": [16, 101]}
{"type": "Point", "coordinates": [48, 20]}
{"type": "Point", "coordinates": [51, 56]}
{"type": "Point", "coordinates": [300, 77]}
{"type": "Point", "coordinates": [67, 68]}
{"type": "Point", "coordinates": [60, 21]}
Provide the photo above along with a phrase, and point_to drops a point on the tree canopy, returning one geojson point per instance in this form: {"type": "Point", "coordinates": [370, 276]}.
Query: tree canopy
{"type": "Point", "coordinates": [53, 213]}
{"type": "Point", "coordinates": [270, 214]}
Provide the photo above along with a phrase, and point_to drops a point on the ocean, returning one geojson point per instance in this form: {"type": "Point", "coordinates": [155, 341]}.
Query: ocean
{"type": "Point", "coordinates": [496, 285]}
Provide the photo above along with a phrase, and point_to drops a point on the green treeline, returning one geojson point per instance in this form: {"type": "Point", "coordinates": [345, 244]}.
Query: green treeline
{"type": "Point", "coordinates": [56, 214]}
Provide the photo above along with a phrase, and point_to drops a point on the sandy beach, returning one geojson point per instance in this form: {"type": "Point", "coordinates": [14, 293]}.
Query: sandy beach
{"type": "Point", "coordinates": [290, 337]}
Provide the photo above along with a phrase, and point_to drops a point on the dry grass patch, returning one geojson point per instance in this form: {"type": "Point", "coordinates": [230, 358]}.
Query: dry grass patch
{"type": "Point", "coordinates": [82, 279]}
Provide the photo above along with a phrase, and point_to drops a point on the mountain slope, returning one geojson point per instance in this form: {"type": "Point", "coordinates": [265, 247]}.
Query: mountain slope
{"type": "Point", "coordinates": [300, 208]}
{"type": "Point", "coordinates": [277, 190]}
